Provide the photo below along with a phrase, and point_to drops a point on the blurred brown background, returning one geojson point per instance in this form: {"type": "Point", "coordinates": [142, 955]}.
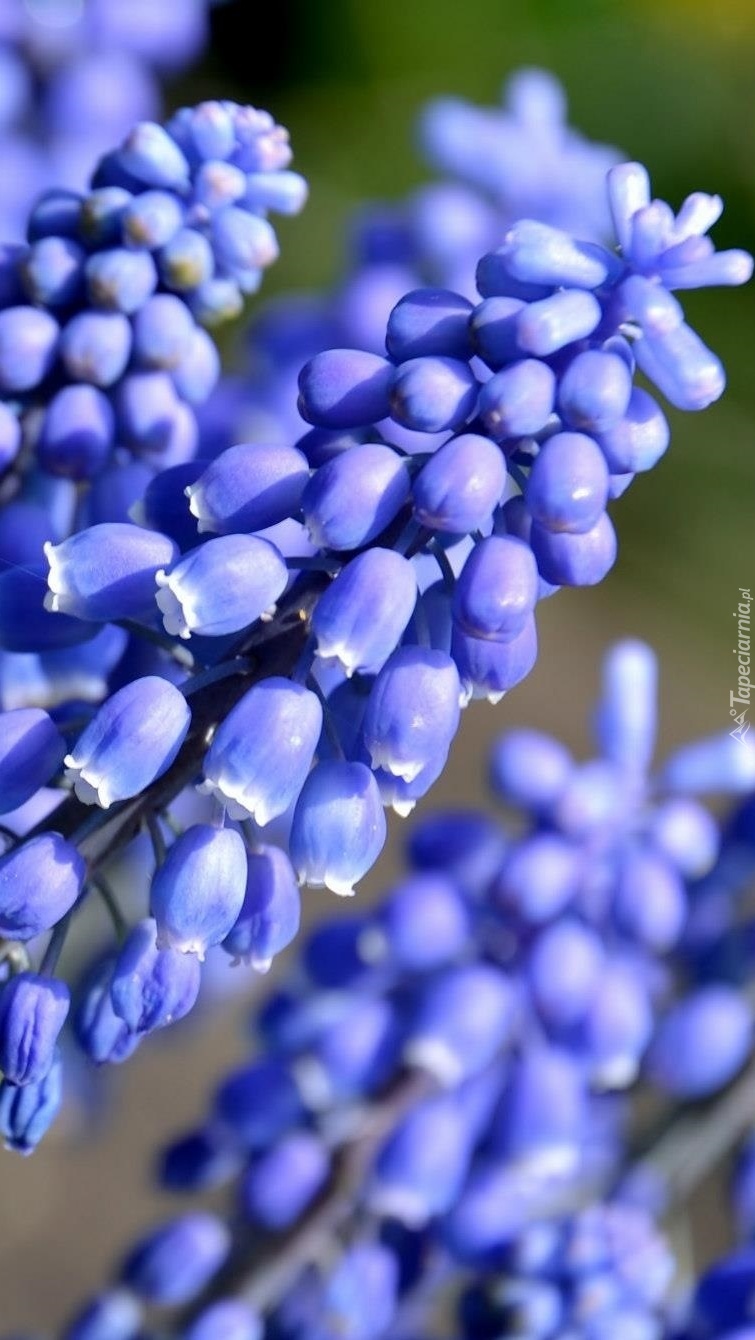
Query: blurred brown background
{"type": "Point", "coordinates": [670, 81]}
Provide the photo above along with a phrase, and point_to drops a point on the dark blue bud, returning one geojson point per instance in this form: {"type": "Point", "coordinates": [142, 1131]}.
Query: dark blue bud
{"type": "Point", "coordinates": [462, 845]}
{"type": "Point", "coordinates": [487, 668]}
{"type": "Point", "coordinates": [161, 502]}
{"type": "Point", "coordinates": [345, 388]}
{"type": "Point", "coordinates": [724, 1296]}
{"type": "Point", "coordinates": [430, 322]}
{"type": "Point", "coordinates": [26, 625]}
{"type": "Point", "coordinates": [96, 346]}
{"type": "Point", "coordinates": [430, 395]}
{"type": "Point", "coordinates": [567, 489]}
{"type": "Point", "coordinates": [338, 829]}
{"type": "Point", "coordinates": [413, 711]}
{"type": "Point", "coordinates": [31, 748]}
{"type": "Point", "coordinates": [539, 877]}
{"type": "Point", "coordinates": [462, 1019]}
{"type": "Point", "coordinates": [52, 271]}
{"type": "Point", "coordinates": [518, 400]}
{"type": "Point", "coordinates": [39, 882]}
{"type": "Point", "coordinates": [497, 589]}
{"type": "Point", "coordinates": [566, 559]}
{"type": "Point", "coordinates": [529, 769]}
{"type": "Point", "coordinates": [199, 1161]}
{"type": "Point", "coordinates": [351, 499]}
{"type": "Point", "coordinates": [198, 891]}
{"type": "Point", "coordinates": [360, 618]}
{"type": "Point", "coordinates": [248, 487]}
{"type": "Point", "coordinates": [594, 391]}
{"type": "Point", "coordinates": [701, 1043]}
{"type": "Point", "coordinates": [420, 1169]}
{"type": "Point", "coordinates": [55, 213]}
{"type": "Point", "coordinates": [106, 572]}
{"type": "Point", "coordinates": [28, 345]}
{"type": "Point", "coordinates": [221, 586]}
{"type": "Point", "coordinates": [152, 988]}
{"type": "Point", "coordinates": [174, 1263]}
{"type": "Point", "coordinates": [281, 1183]}
{"type": "Point", "coordinates": [78, 433]}
{"type": "Point", "coordinates": [461, 485]}
{"type": "Point", "coordinates": [27, 1111]}
{"type": "Point", "coordinates": [163, 330]}
{"type": "Point", "coordinates": [115, 1315]}
{"type": "Point", "coordinates": [261, 753]}
{"type": "Point", "coordinates": [563, 970]}
{"type": "Point", "coordinates": [230, 1319]}
{"type": "Point", "coordinates": [270, 916]}
{"type": "Point", "coordinates": [132, 740]}
{"type": "Point", "coordinates": [258, 1104]}
{"type": "Point", "coordinates": [33, 1010]}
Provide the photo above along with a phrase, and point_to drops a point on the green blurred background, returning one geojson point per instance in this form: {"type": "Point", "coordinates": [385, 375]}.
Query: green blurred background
{"type": "Point", "coordinates": [671, 83]}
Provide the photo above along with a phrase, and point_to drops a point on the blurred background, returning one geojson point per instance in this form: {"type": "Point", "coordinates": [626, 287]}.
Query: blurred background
{"type": "Point", "coordinates": [670, 83]}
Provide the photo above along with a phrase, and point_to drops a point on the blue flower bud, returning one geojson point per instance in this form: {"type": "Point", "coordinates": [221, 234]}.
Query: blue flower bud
{"type": "Point", "coordinates": [221, 587]}
{"type": "Point", "coordinates": [723, 1296]}
{"type": "Point", "coordinates": [566, 559]}
{"type": "Point", "coordinates": [345, 388]}
{"type": "Point", "coordinates": [10, 436]}
{"type": "Point", "coordinates": [487, 668]}
{"type": "Point", "coordinates": [686, 834]}
{"type": "Point", "coordinates": [461, 485]}
{"type": "Point", "coordinates": [114, 1315]}
{"type": "Point", "coordinates": [230, 1319]}
{"type": "Point", "coordinates": [107, 572]}
{"type": "Point", "coordinates": [496, 1205]}
{"type": "Point", "coordinates": [248, 487]}
{"type": "Point", "coordinates": [536, 253]}
{"type": "Point", "coordinates": [497, 589]}
{"type": "Point", "coordinates": [412, 712]}
{"type": "Point", "coordinates": [31, 748]}
{"type": "Point", "coordinates": [626, 715]}
{"type": "Point", "coordinates": [25, 623]}
{"type": "Point", "coordinates": [186, 260]}
{"type": "Point", "coordinates": [682, 367]}
{"type": "Point", "coordinates": [637, 441]}
{"type": "Point", "coordinates": [174, 1263]}
{"type": "Point", "coordinates": [198, 372]}
{"type": "Point", "coordinates": [52, 271]}
{"type": "Point", "coordinates": [100, 214]}
{"type": "Point", "coordinates": [567, 489]}
{"type": "Point", "coordinates": [701, 1043]}
{"type": "Point", "coordinates": [361, 1295]}
{"type": "Point", "coordinates": [77, 434]}
{"type": "Point", "coordinates": [563, 971]}
{"type": "Point", "coordinates": [541, 1120]}
{"type": "Point", "coordinates": [150, 220]}
{"type": "Point", "coordinates": [198, 891]}
{"type": "Point", "coordinates": [120, 279]}
{"type": "Point", "coordinates": [163, 329]}
{"type": "Point", "coordinates": [423, 924]}
{"type": "Point", "coordinates": [199, 1161]}
{"type": "Point", "coordinates": [243, 242]}
{"type": "Point", "coordinates": [39, 882]}
{"type": "Point", "coordinates": [270, 916]}
{"type": "Point", "coordinates": [544, 327]}
{"type": "Point", "coordinates": [280, 1185]}
{"type": "Point", "coordinates": [351, 499]}
{"type": "Point", "coordinates": [716, 763]}
{"type": "Point", "coordinates": [462, 1019]}
{"type": "Point", "coordinates": [33, 1010]}
{"type": "Point", "coordinates": [529, 769]}
{"type": "Point", "coordinates": [131, 740]}
{"type": "Point", "coordinates": [283, 192]}
{"type": "Point", "coordinates": [430, 395]}
{"type": "Point", "coordinates": [360, 618]}
{"type": "Point", "coordinates": [161, 503]}
{"type": "Point", "coordinates": [353, 1053]}
{"type": "Point", "coordinates": [27, 1111]}
{"type": "Point", "coordinates": [430, 322]}
{"type": "Point", "coordinates": [617, 1027]}
{"type": "Point", "coordinates": [518, 400]}
{"type": "Point", "coordinates": [650, 904]}
{"type": "Point", "coordinates": [150, 154]}
{"type": "Point", "coordinates": [261, 753]}
{"type": "Point", "coordinates": [216, 301]}
{"type": "Point", "coordinates": [28, 345]}
{"type": "Point", "coordinates": [594, 391]}
{"type": "Point", "coordinates": [462, 845]}
{"type": "Point", "coordinates": [539, 877]}
{"type": "Point", "coordinates": [152, 988]}
{"type": "Point", "coordinates": [101, 1034]}
{"type": "Point", "coordinates": [420, 1170]}
{"type": "Point", "coordinates": [338, 829]}
{"type": "Point", "coordinates": [258, 1104]}
{"type": "Point", "coordinates": [96, 346]}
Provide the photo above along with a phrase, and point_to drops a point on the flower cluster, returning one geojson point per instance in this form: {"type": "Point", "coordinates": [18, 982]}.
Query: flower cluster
{"type": "Point", "coordinates": [434, 1092]}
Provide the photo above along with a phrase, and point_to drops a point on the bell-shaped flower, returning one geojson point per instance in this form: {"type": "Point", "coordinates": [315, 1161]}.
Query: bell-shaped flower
{"type": "Point", "coordinates": [489, 668]}
{"type": "Point", "coordinates": [150, 987]}
{"type": "Point", "coordinates": [361, 617]}
{"type": "Point", "coordinates": [338, 828]}
{"type": "Point", "coordinates": [261, 753]}
{"type": "Point", "coordinates": [173, 1264]}
{"type": "Point", "coordinates": [100, 1032]}
{"type": "Point", "coordinates": [132, 740]}
{"type": "Point", "coordinates": [33, 1010]}
{"type": "Point", "coordinates": [420, 1169]}
{"type": "Point", "coordinates": [221, 587]}
{"type": "Point", "coordinates": [354, 496]}
{"type": "Point", "coordinates": [28, 1110]}
{"type": "Point", "coordinates": [270, 916]}
{"type": "Point", "coordinates": [413, 711]}
{"type": "Point", "coordinates": [39, 882]}
{"type": "Point", "coordinates": [497, 590]}
{"type": "Point", "coordinates": [198, 891]}
{"type": "Point", "coordinates": [248, 487]}
{"type": "Point", "coordinates": [31, 747]}
{"type": "Point", "coordinates": [107, 572]}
